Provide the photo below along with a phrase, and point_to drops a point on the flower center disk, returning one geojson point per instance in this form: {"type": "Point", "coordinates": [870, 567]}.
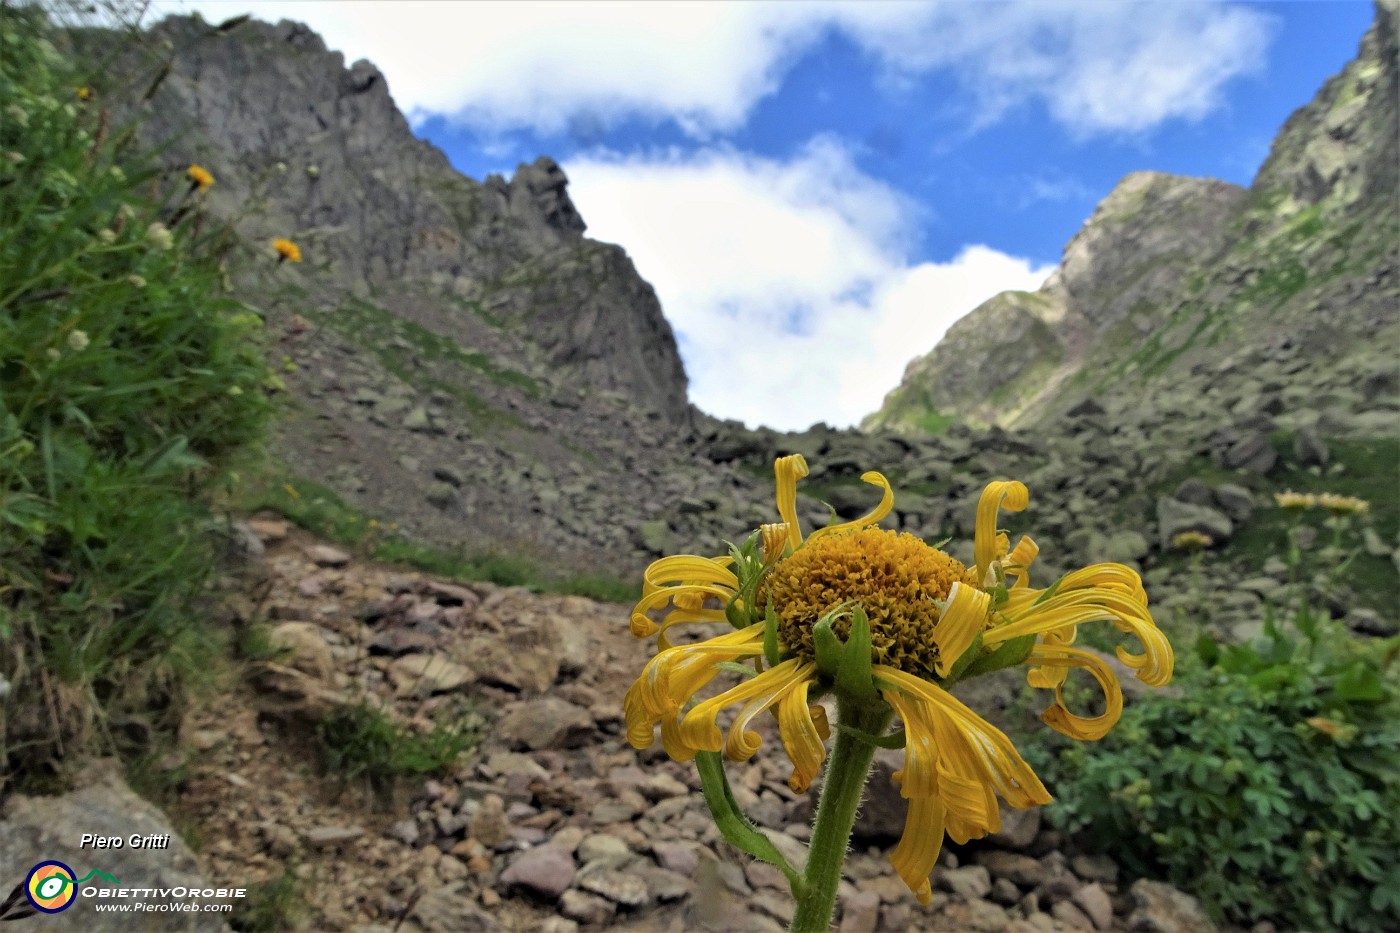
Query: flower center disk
{"type": "Point", "coordinates": [895, 577]}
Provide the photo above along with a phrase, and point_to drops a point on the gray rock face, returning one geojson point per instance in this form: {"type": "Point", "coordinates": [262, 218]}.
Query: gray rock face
{"type": "Point", "coordinates": [36, 829]}
{"type": "Point", "coordinates": [275, 115]}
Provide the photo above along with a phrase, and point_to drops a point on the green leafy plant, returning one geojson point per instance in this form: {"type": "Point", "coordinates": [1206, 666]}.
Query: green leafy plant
{"type": "Point", "coordinates": [128, 378]}
{"type": "Point", "coordinates": [1270, 788]}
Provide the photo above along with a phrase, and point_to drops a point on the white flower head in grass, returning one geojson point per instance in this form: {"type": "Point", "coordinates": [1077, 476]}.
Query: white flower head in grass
{"type": "Point", "coordinates": [78, 341]}
{"type": "Point", "coordinates": [159, 236]}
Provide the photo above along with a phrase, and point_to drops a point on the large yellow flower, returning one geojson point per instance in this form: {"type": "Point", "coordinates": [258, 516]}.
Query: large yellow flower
{"type": "Point", "coordinates": [931, 620]}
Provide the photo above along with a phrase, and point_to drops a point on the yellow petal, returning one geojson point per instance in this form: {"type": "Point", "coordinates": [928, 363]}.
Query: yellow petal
{"type": "Point", "coordinates": [965, 616]}
{"type": "Point", "coordinates": [913, 859]}
{"type": "Point", "coordinates": [788, 470]}
{"type": "Point", "coordinates": [968, 744]}
{"type": "Point", "coordinates": [742, 744]}
{"type": "Point", "coordinates": [1058, 716]}
{"type": "Point", "coordinates": [775, 540]}
{"type": "Point", "coordinates": [1002, 494]}
{"type": "Point", "coordinates": [1018, 562]}
{"type": "Point", "coordinates": [698, 727]}
{"type": "Point", "coordinates": [1094, 604]}
{"type": "Point", "coordinates": [872, 517]}
{"type": "Point", "coordinates": [918, 777]}
{"type": "Point", "coordinates": [803, 736]}
{"type": "Point", "coordinates": [683, 616]}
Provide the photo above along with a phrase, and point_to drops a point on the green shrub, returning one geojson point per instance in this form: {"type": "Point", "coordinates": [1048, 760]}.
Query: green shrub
{"type": "Point", "coordinates": [1270, 788]}
{"type": "Point", "coordinates": [127, 379]}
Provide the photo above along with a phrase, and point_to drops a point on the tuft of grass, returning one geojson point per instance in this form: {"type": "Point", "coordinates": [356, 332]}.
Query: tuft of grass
{"type": "Point", "coordinates": [272, 906]}
{"type": "Point", "coordinates": [363, 742]}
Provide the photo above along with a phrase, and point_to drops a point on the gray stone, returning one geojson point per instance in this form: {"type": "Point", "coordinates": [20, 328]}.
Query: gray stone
{"type": "Point", "coordinates": [620, 887]}
{"type": "Point", "coordinates": [546, 872]}
{"type": "Point", "coordinates": [1254, 453]}
{"type": "Point", "coordinates": [679, 857]}
{"type": "Point", "coordinates": [443, 496]}
{"type": "Point", "coordinates": [548, 722]}
{"type": "Point", "coordinates": [586, 908]}
{"type": "Point", "coordinates": [323, 555]}
{"type": "Point", "coordinates": [860, 912]}
{"type": "Point", "coordinates": [1309, 449]}
{"type": "Point", "coordinates": [1018, 828]}
{"type": "Point", "coordinates": [1161, 908]}
{"type": "Point", "coordinates": [1013, 866]}
{"type": "Point", "coordinates": [1095, 902]}
{"type": "Point", "coordinates": [330, 837]}
{"type": "Point", "coordinates": [969, 882]}
{"type": "Point", "coordinates": [1235, 501]}
{"type": "Point", "coordinates": [50, 828]}
{"type": "Point", "coordinates": [1175, 517]}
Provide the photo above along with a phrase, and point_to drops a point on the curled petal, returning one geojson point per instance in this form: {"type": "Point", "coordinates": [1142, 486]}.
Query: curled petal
{"type": "Point", "coordinates": [872, 517]}
{"type": "Point", "coordinates": [698, 727]}
{"type": "Point", "coordinates": [642, 626]}
{"type": "Point", "coordinates": [964, 617]}
{"type": "Point", "coordinates": [913, 859]}
{"type": "Point", "coordinates": [742, 744]}
{"type": "Point", "coordinates": [1028, 613]}
{"type": "Point", "coordinates": [1058, 716]}
{"type": "Point", "coordinates": [671, 678]}
{"type": "Point", "coordinates": [775, 541]}
{"type": "Point", "coordinates": [788, 470]}
{"type": "Point", "coordinates": [802, 735]}
{"type": "Point", "coordinates": [1018, 562]}
{"type": "Point", "coordinates": [1002, 494]}
{"type": "Point", "coordinates": [683, 616]}
{"type": "Point", "coordinates": [967, 744]}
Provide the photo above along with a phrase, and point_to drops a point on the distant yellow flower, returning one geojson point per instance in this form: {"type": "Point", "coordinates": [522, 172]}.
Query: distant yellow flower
{"type": "Point", "coordinates": [291, 491]}
{"type": "Point", "coordinates": [84, 93]}
{"type": "Point", "coordinates": [1192, 541]}
{"type": "Point", "coordinates": [199, 177]}
{"type": "Point", "coordinates": [1343, 505]}
{"type": "Point", "coordinates": [927, 614]}
{"type": "Point", "coordinates": [286, 249]}
{"type": "Point", "coordinates": [1295, 501]}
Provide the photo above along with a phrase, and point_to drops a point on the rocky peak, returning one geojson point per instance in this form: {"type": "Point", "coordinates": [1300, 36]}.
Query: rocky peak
{"type": "Point", "coordinates": [537, 196]}
{"type": "Point", "coordinates": [1342, 146]}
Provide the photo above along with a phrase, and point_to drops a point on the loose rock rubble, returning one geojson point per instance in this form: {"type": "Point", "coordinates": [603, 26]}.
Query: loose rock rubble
{"type": "Point", "coordinates": [554, 822]}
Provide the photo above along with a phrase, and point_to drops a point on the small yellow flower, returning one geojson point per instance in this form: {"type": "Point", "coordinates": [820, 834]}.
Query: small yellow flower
{"type": "Point", "coordinates": [1332, 729]}
{"type": "Point", "coordinates": [286, 249]}
{"type": "Point", "coordinates": [1192, 541]}
{"type": "Point", "coordinates": [84, 93]}
{"type": "Point", "coordinates": [373, 523]}
{"type": "Point", "coordinates": [1343, 505]}
{"type": "Point", "coordinates": [925, 610]}
{"type": "Point", "coordinates": [199, 177]}
{"type": "Point", "coordinates": [1295, 501]}
{"type": "Point", "coordinates": [291, 491]}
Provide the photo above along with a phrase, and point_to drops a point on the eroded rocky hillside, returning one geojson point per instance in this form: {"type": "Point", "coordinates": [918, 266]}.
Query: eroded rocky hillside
{"type": "Point", "coordinates": [1184, 296]}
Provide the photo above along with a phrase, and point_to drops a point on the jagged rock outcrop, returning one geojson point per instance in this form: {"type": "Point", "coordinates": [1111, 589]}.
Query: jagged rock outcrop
{"type": "Point", "coordinates": [1173, 278]}
{"type": "Point", "coordinates": [306, 148]}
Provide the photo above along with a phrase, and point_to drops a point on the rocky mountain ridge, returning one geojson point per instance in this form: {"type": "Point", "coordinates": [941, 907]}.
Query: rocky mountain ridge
{"type": "Point", "coordinates": [459, 366]}
{"type": "Point", "coordinates": [1172, 275]}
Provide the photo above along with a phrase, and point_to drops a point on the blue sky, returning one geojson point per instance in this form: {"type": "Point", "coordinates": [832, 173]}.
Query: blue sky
{"type": "Point", "coordinates": [818, 190]}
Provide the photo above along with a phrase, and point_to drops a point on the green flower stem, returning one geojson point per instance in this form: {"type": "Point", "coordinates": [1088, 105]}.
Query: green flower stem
{"type": "Point", "coordinates": [846, 774]}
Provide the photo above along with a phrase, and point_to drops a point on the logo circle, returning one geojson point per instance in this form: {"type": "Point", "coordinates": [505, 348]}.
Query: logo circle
{"type": "Point", "coordinates": [51, 887]}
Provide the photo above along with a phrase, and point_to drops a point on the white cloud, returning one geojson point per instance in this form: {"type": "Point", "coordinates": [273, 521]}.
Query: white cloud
{"type": "Point", "coordinates": [1097, 67]}
{"type": "Point", "coordinates": [787, 282]}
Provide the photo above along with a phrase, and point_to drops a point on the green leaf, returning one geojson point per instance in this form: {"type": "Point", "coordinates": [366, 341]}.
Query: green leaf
{"type": "Point", "coordinates": [1361, 684]}
{"type": "Point", "coordinates": [734, 826]}
{"type": "Point", "coordinates": [1009, 654]}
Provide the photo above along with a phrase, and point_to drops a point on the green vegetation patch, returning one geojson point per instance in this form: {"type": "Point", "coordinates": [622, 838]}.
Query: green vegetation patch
{"type": "Point", "coordinates": [128, 380]}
